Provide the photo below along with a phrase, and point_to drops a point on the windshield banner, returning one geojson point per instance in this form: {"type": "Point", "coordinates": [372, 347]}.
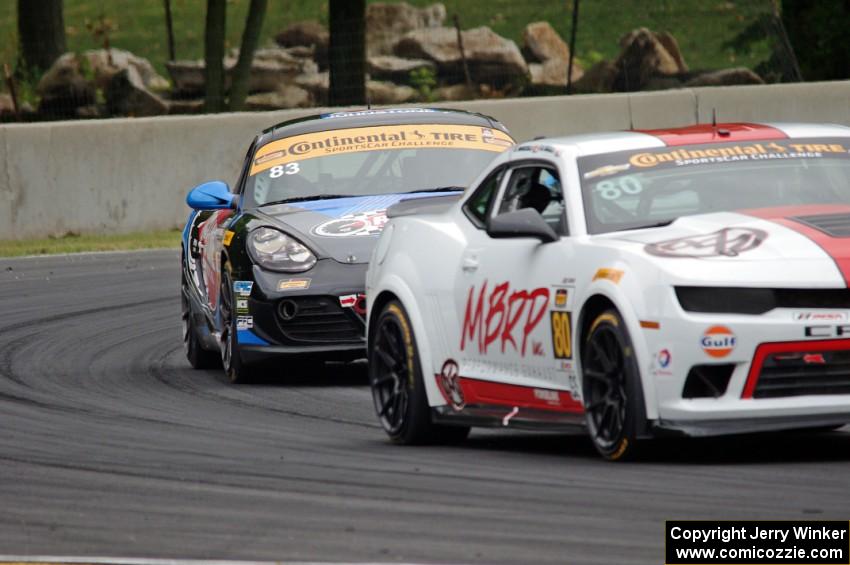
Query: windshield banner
{"type": "Point", "coordinates": [628, 162]}
{"type": "Point", "coordinates": [378, 138]}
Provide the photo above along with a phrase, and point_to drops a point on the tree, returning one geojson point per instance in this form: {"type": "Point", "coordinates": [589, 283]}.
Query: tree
{"type": "Point", "coordinates": [41, 32]}
{"type": "Point", "coordinates": [817, 31]}
{"type": "Point", "coordinates": [214, 55]}
{"type": "Point", "coordinates": [250, 39]}
{"type": "Point", "coordinates": [347, 52]}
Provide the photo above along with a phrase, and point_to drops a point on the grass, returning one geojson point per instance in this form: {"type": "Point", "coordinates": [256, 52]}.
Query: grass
{"type": "Point", "coordinates": [80, 243]}
{"type": "Point", "coordinates": [701, 26]}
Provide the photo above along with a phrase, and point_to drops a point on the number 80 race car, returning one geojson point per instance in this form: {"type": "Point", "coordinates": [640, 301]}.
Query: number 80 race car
{"type": "Point", "coordinates": [690, 281]}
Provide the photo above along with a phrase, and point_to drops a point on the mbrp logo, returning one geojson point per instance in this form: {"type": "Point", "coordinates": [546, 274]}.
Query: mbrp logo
{"type": "Point", "coordinates": [718, 341]}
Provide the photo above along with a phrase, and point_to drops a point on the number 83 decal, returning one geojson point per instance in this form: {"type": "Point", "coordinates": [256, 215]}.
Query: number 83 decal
{"type": "Point", "coordinates": [562, 342]}
{"type": "Point", "coordinates": [288, 169]}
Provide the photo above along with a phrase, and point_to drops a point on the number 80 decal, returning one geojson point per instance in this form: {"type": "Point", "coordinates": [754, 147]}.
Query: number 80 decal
{"type": "Point", "coordinates": [562, 342]}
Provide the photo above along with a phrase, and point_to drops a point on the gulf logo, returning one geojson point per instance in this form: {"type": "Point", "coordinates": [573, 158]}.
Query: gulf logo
{"type": "Point", "coordinates": [718, 341]}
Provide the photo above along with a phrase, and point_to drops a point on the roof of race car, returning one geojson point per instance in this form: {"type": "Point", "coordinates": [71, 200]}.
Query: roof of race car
{"type": "Point", "coordinates": [608, 142]}
{"type": "Point", "coordinates": [376, 117]}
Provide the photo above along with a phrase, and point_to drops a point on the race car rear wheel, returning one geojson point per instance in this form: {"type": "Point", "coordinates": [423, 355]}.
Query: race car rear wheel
{"type": "Point", "coordinates": [613, 402]}
{"type": "Point", "coordinates": [199, 358]}
{"type": "Point", "coordinates": [231, 358]}
{"type": "Point", "coordinates": [398, 391]}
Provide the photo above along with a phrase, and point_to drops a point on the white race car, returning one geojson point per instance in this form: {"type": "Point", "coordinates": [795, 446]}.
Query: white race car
{"type": "Point", "coordinates": [691, 281]}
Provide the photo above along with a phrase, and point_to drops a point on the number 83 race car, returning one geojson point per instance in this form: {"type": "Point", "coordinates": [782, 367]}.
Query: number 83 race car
{"type": "Point", "coordinates": [274, 267]}
{"type": "Point", "coordinates": [691, 281]}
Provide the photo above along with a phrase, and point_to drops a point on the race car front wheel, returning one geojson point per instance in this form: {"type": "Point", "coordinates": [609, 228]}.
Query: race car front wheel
{"type": "Point", "coordinates": [613, 402]}
{"type": "Point", "coordinates": [199, 358]}
{"type": "Point", "coordinates": [231, 359]}
{"type": "Point", "coordinates": [398, 391]}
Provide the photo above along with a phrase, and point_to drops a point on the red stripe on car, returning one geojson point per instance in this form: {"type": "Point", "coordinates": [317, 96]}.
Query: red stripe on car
{"type": "Point", "coordinates": [838, 248]}
{"type": "Point", "coordinates": [500, 394]}
{"type": "Point", "coordinates": [721, 133]}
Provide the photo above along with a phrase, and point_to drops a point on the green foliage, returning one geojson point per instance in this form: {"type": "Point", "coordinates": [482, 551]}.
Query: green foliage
{"type": "Point", "coordinates": [424, 80]}
{"type": "Point", "coordinates": [75, 243]}
{"type": "Point", "coordinates": [702, 27]}
{"type": "Point", "coordinates": [818, 33]}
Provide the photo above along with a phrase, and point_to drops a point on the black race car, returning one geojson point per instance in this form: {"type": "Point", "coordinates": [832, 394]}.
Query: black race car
{"type": "Point", "coordinates": [276, 264]}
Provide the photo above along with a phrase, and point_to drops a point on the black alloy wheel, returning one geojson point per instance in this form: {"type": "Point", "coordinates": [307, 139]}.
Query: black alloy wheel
{"type": "Point", "coordinates": [396, 382]}
{"type": "Point", "coordinates": [613, 402]}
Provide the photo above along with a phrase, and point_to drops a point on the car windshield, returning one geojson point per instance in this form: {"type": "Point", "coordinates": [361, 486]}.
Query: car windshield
{"type": "Point", "coordinates": [372, 160]}
{"type": "Point", "coordinates": [647, 188]}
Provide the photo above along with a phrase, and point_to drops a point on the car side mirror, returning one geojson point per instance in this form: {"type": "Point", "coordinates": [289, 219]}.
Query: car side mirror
{"type": "Point", "coordinates": [526, 222]}
{"type": "Point", "coordinates": [213, 195]}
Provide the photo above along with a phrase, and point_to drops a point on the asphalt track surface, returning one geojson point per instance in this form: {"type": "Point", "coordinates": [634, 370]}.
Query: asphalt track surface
{"type": "Point", "coordinates": [111, 445]}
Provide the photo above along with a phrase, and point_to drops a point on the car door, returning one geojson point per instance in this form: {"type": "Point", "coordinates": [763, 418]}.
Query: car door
{"type": "Point", "coordinates": [211, 239]}
{"type": "Point", "coordinates": [512, 295]}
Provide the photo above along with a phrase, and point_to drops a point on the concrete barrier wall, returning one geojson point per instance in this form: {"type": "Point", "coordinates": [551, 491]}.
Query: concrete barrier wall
{"type": "Point", "coordinates": [129, 175]}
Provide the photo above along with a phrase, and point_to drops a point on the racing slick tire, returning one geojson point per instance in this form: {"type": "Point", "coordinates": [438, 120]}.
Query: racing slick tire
{"type": "Point", "coordinates": [198, 357]}
{"type": "Point", "coordinates": [395, 377]}
{"type": "Point", "coordinates": [231, 359]}
{"type": "Point", "coordinates": [613, 399]}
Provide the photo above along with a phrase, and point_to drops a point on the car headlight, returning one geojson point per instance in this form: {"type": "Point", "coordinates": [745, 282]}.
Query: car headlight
{"type": "Point", "coordinates": [277, 251]}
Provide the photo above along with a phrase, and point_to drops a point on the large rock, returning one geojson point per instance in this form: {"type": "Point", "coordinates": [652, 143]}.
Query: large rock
{"type": "Point", "coordinates": [380, 92]}
{"type": "Point", "coordinates": [191, 106]}
{"type": "Point", "coordinates": [672, 46]}
{"type": "Point", "coordinates": [317, 84]}
{"type": "Point", "coordinates": [726, 77]}
{"type": "Point", "coordinates": [553, 72]}
{"type": "Point", "coordinates": [642, 56]}
{"type": "Point", "coordinates": [270, 70]}
{"type": "Point", "coordinates": [64, 88]}
{"type": "Point", "coordinates": [6, 105]}
{"type": "Point", "coordinates": [597, 79]}
{"type": "Point", "coordinates": [396, 69]}
{"type": "Point", "coordinates": [387, 93]}
{"type": "Point", "coordinates": [107, 63]}
{"type": "Point", "coordinates": [455, 92]}
{"type": "Point", "coordinates": [127, 95]}
{"type": "Point", "coordinates": [492, 59]}
{"type": "Point", "coordinates": [289, 96]}
{"type": "Point", "coordinates": [542, 43]}
{"type": "Point", "coordinates": [188, 76]}
{"type": "Point", "coordinates": [273, 68]}
{"type": "Point", "coordinates": [387, 22]}
{"type": "Point", "coordinates": [307, 34]}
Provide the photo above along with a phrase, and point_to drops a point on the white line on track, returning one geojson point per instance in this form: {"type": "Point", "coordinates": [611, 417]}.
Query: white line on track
{"type": "Point", "coordinates": [64, 560]}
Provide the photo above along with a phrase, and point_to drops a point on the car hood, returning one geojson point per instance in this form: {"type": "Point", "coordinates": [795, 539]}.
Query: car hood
{"type": "Point", "coordinates": [345, 229]}
{"type": "Point", "coordinates": [779, 246]}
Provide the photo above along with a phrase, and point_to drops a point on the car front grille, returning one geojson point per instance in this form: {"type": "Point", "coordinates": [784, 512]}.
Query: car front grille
{"type": "Point", "coordinates": [738, 300]}
{"type": "Point", "coordinates": [810, 371]}
{"type": "Point", "coordinates": [319, 319]}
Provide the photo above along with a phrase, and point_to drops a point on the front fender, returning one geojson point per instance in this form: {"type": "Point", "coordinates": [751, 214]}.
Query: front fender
{"type": "Point", "coordinates": [399, 285]}
{"type": "Point", "coordinates": [630, 304]}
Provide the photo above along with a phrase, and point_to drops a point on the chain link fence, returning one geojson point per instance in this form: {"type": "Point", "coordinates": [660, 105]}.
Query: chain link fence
{"type": "Point", "coordinates": [122, 61]}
